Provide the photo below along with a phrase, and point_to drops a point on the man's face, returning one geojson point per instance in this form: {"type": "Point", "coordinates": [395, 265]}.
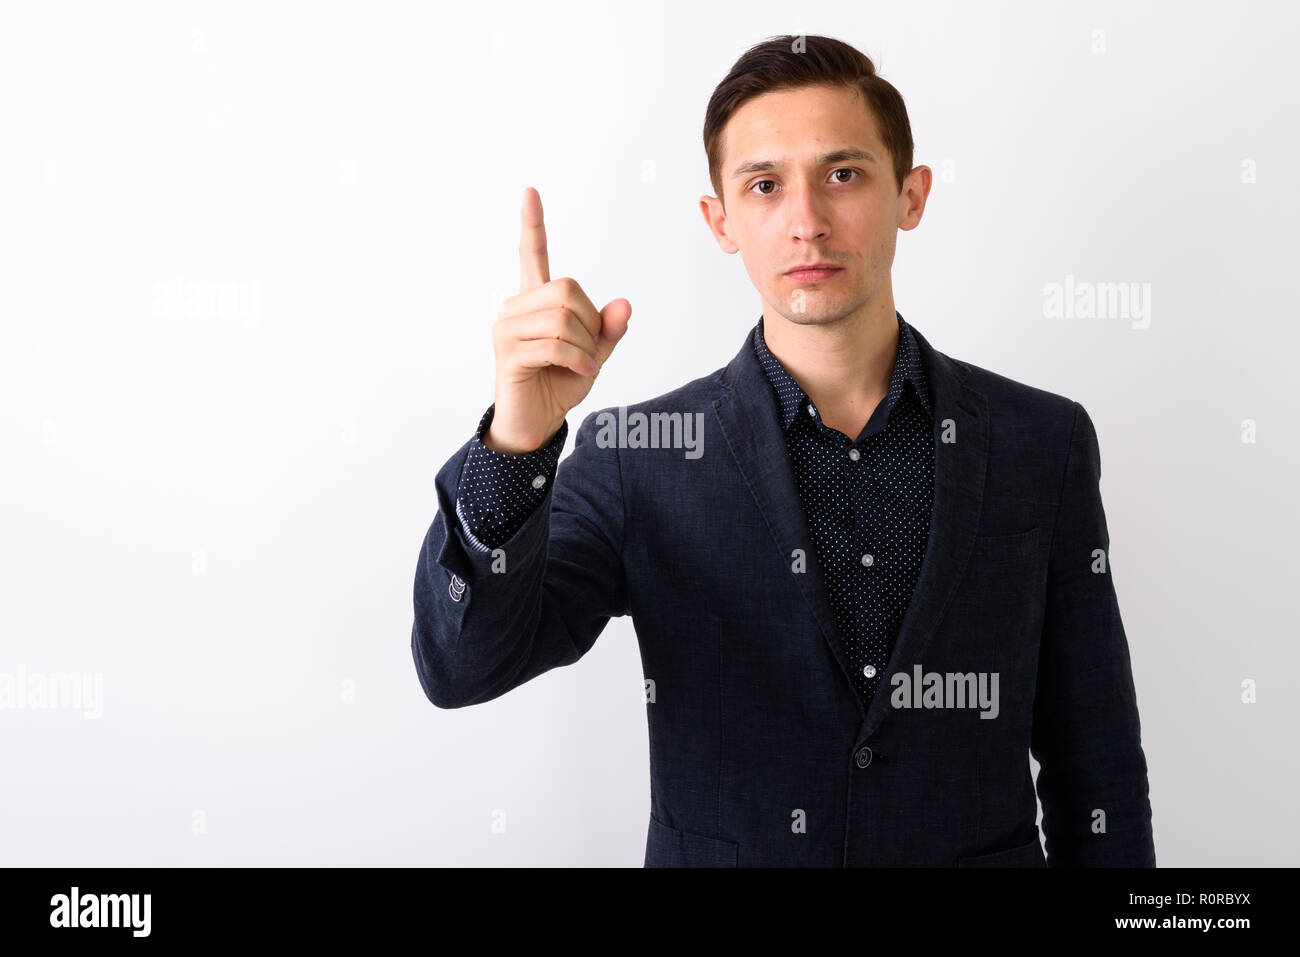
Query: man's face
{"type": "Point", "coordinates": [811, 201]}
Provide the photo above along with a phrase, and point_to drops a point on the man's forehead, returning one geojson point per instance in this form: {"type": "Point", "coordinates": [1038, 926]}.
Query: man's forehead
{"type": "Point", "coordinates": [775, 137]}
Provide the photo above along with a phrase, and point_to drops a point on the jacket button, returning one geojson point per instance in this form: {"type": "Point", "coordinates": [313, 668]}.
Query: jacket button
{"type": "Point", "coordinates": [863, 757]}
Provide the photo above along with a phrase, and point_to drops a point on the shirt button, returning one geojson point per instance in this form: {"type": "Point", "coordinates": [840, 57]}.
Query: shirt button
{"type": "Point", "coordinates": [868, 560]}
{"type": "Point", "coordinates": [812, 411]}
{"type": "Point", "coordinates": [869, 671]}
{"type": "Point", "coordinates": [863, 757]}
{"type": "Point", "coordinates": [539, 481]}
{"type": "Point", "coordinates": [854, 454]}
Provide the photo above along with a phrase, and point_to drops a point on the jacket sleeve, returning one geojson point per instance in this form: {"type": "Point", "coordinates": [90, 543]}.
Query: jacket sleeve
{"type": "Point", "coordinates": [1086, 735]}
{"type": "Point", "coordinates": [486, 621]}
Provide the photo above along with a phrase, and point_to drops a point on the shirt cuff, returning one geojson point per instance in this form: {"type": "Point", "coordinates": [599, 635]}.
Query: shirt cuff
{"type": "Point", "coordinates": [499, 492]}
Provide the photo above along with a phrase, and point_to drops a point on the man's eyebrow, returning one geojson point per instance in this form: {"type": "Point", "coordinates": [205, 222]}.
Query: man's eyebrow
{"type": "Point", "coordinates": [835, 156]}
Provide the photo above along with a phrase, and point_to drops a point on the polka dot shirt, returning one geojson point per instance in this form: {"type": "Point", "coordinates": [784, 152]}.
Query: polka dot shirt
{"type": "Point", "coordinates": [868, 502]}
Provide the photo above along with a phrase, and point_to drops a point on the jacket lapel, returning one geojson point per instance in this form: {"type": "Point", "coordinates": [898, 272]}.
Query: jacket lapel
{"type": "Point", "coordinates": [748, 416]}
{"type": "Point", "coordinates": [960, 413]}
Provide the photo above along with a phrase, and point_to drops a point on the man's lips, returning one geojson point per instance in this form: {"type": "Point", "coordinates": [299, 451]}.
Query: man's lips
{"type": "Point", "coordinates": [813, 273]}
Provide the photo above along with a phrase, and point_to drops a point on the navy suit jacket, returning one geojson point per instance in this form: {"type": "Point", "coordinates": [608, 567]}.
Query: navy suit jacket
{"type": "Point", "coordinates": [761, 753]}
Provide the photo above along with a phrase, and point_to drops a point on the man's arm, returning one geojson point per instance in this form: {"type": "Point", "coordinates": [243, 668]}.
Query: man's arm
{"type": "Point", "coordinates": [487, 621]}
{"type": "Point", "coordinates": [1086, 734]}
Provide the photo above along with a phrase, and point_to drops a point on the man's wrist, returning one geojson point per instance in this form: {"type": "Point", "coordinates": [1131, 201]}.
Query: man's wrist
{"type": "Point", "coordinates": [509, 446]}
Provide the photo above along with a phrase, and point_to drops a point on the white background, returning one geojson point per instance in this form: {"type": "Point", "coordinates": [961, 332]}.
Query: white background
{"type": "Point", "coordinates": [250, 255]}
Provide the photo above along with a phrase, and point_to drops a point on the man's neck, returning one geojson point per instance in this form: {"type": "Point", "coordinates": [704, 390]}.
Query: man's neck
{"type": "Point", "coordinates": [843, 366]}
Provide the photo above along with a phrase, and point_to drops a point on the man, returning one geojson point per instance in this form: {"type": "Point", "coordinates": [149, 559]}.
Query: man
{"type": "Point", "coordinates": [866, 578]}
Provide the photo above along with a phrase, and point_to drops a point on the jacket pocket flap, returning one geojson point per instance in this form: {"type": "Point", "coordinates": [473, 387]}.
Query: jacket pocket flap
{"type": "Point", "coordinates": [670, 847]}
{"type": "Point", "coordinates": [1026, 855]}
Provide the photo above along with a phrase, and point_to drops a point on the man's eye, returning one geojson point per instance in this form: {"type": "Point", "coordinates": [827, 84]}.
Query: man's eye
{"type": "Point", "coordinates": [833, 173]}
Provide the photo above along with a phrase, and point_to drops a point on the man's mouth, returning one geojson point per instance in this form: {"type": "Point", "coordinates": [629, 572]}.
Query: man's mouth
{"type": "Point", "coordinates": [815, 273]}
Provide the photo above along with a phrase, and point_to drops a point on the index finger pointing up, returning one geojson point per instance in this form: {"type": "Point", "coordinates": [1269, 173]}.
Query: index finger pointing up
{"type": "Point", "coordinates": [534, 267]}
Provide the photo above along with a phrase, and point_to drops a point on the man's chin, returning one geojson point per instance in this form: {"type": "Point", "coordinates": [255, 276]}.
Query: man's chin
{"type": "Point", "coordinates": [814, 315]}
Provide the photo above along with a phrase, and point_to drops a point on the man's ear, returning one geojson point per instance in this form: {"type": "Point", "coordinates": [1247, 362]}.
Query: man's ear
{"type": "Point", "coordinates": [916, 188]}
{"type": "Point", "coordinates": [715, 216]}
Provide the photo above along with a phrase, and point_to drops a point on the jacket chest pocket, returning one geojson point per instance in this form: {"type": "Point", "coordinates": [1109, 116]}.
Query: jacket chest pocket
{"type": "Point", "coordinates": [1003, 569]}
{"type": "Point", "coordinates": [1006, 548]}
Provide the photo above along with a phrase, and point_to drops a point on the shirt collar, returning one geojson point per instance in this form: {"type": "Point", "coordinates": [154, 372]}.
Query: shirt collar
{"type": "Point", "coordinates": [791, 398]}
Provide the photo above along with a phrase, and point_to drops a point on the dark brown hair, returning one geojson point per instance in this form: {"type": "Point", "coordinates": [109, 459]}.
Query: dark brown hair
{"type": "Point", "coordinates": [789, 62]}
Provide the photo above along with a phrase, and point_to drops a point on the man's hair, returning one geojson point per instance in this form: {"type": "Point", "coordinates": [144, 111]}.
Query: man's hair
{"type": "Point", "coordinates": [790, 62]}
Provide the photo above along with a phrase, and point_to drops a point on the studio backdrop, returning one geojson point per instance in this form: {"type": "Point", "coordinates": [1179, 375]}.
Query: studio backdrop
{"type": "Point", "coordinates": [250, 260]}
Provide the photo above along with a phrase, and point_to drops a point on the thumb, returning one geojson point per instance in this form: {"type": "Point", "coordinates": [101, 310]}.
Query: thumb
{"type": "Point", "coordinates": [613, 326]}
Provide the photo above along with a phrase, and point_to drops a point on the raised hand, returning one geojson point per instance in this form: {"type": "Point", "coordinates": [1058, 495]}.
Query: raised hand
{"type": "Point", "coordinates": [549, 342]}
